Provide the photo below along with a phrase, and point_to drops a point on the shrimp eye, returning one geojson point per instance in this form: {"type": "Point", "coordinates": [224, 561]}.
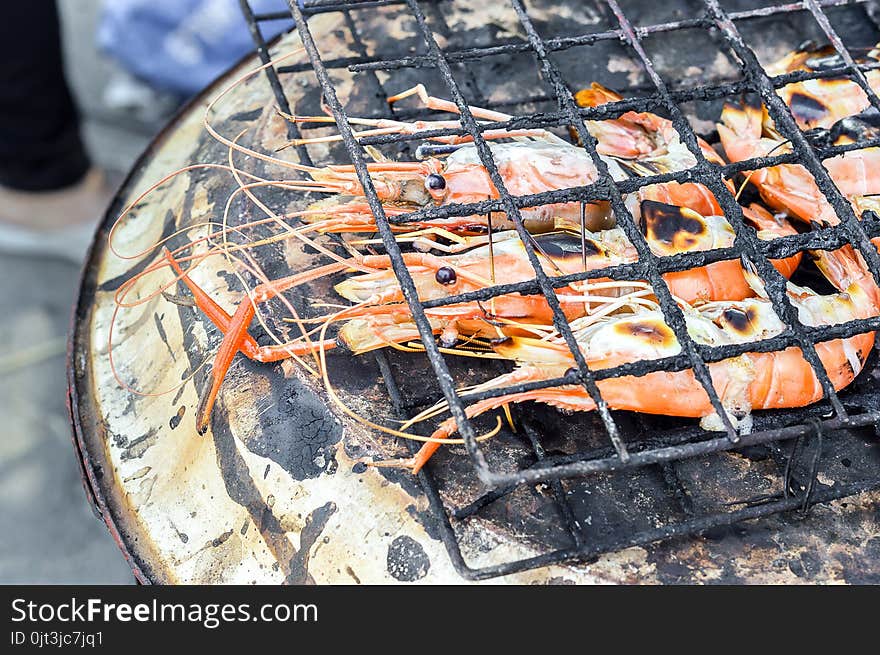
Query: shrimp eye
{"type": "Point", "coordinates": [571, 371]}
{"type": "Point", "coordinates": [435, 182]}
{"type": "Point", "coordinates": [445, 275]}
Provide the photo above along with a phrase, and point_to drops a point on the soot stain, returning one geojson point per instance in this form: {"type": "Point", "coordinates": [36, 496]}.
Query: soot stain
{"type": "Point", "coordinates": [114, 283]}
{"type": "Point", "coordinates": [162, 335]}
{"type": "Point", "coordinates": [740, 320]}
{"type": "Point", "coordinates": [177, 418]}
{"type": "Point", "coordinates": [655, 333]}
{"type": "Point", "coordinates": [298, 432]}
{"type": "Point", "coordinates": [136, 448]}
{"type": "Point", "coordinates": [316, 521]}
{"type": "Point", "coordinates": [407, 561]}
{"type": "Point", "coordinates": [429, 522]}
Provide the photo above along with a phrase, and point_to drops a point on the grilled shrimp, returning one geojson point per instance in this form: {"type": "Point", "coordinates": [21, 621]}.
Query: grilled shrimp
{"type": "Point", "coordinates": [761, 380]}
{"type": "Point", "coordinates": [647, 144]}
{"type": "Point", "coordinates": [535, 161]}
{"type": "Point", "coordinates": [746, 132]}
{"type": "Point", "coordinates": [668, 230]}
{"type": "Point", "coordinates": [820, 103]}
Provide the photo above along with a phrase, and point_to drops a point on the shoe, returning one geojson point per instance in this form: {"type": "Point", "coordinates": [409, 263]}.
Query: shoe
{"type": "Point", "coordinates": [58, 223]}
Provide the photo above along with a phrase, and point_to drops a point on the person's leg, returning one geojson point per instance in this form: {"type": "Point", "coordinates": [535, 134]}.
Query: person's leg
{"type": "Point", "coordinates": [50, 196]}
{"type": "Point", "coordinates": [40, 144]}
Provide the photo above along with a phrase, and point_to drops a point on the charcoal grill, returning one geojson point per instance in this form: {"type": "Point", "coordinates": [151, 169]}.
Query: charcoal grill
{"type": "Point", "coordinates": [574, 488]}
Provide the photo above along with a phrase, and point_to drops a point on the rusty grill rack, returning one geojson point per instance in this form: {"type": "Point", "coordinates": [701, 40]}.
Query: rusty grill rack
{"type": "Point", "coordinates": [833, 413]}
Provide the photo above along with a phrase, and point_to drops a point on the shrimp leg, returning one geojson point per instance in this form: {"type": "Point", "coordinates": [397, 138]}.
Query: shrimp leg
{"type": "Point", "coordinates": [235, 335]}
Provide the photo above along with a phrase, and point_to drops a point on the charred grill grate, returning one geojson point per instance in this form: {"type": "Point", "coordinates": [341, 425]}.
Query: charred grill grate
{"type": "Point", "coordinates": [805, 428]}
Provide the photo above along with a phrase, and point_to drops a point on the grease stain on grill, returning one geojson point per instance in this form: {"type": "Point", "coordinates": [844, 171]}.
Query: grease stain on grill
{"type": "Point", "coordinates": [184, 538]}
{"type": "Point", "coordinates": [407, 561]}
{"type": "Point", "coordinates": [219, 541]}
{"type": "Point", "coordinates": [136, 448]}
{"type": "Point", "coordinates": [316, 521]}
{"type": "Point", "coordinates": [353, 575]}
{"type": "Point", "coordinates": [177, 418]}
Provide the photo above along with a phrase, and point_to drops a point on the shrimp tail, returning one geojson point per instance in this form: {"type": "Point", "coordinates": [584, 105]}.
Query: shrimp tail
{"type": "Point", "coordinates": [847, 271]}
{"type": "Point", "coordinates": [753, 279]}
{"type": "Point", "coordinates": [740, 129]}
{"type": "Point", "coordinates": [361, 335]}
{"type": "Point", "coordinates": [744, 119]}
{"type": "Point", "coordinates": [596, 95]}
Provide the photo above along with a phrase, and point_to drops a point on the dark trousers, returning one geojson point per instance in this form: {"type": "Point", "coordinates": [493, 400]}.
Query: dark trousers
{"type": "Point", "coordinates": [40, 144]}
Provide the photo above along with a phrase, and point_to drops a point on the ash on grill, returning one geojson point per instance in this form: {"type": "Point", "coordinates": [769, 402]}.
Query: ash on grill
{"type": "Point", "coordinates": [586, 484]}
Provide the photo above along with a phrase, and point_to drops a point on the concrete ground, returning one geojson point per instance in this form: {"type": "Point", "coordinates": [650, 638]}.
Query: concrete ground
{"type": "Point", "coordinates": [48, 534]}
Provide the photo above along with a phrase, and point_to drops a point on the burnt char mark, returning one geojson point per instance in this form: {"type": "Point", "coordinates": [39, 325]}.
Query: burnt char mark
{"type": "Point", "coordinates": [751, 101]}
{"type": "Point", "coordinates": [654, 332]}
{"type": "Point", "coordinates": [806, 108]}
{"type": "Point", "coordinates": [739, 320]}
{"type": "Point", "coordinates": [669, 224]}
{"type": "Point", "coordinates": [407, 560]}
{"type": "Point", "coordinates": [562, 245]}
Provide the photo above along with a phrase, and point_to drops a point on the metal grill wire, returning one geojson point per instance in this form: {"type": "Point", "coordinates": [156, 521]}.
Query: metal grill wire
{"type": "Point", "coordinates": [649, 267]}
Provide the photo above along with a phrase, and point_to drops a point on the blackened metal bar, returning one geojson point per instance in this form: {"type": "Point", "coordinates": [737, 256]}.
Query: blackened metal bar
{"type": "Point", "coordinates": [694, 449]}
{"type": "Point", "coordinates": [513, 213]}
{"type": "Point", "coordinates": [408, 289]}
{"type": "Point", "coordinates": [671, 311]}
{"type": "Point", "coordinates": [681, 439]}
{"type": "Point", "coordinates": [574, 527]}
{"type": "Point", "coordinates": [837, 42]}
{"type": "Point", "coordinates": [272, 76]}
{"type": "Point", "coordinates": [397, 401]}
{"type": "Point", "coordinates": [787, 126]}
{"type": "Point", "coordinates": [361, 49]}
{"type": "Point", "coordinates": [669, 472]}
{"type": "Point", "coordinates": [774, 283]}
{"type": "Point", "coordinates": [559, 44]}
{"type": "Point", "coordinates": [553, 469]}
{"type": "Point", "coordinates": [685, 528]}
